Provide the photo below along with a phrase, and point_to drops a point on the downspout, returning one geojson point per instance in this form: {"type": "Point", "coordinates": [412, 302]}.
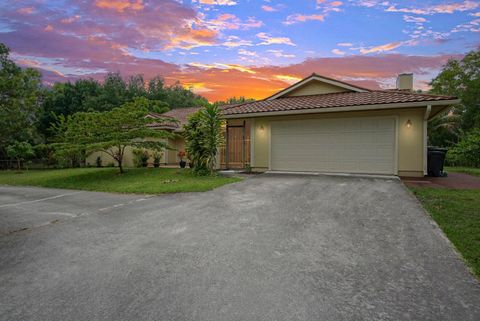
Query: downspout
{"type": "Point", "coordinates": [428, 110]}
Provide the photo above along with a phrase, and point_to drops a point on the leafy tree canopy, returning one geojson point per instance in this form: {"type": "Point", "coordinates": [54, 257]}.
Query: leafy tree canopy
{"type": "Point", "coordinates": [459, 78]}
{"type": "Point", "coordinates": [20, 151]}
{"type": "Point", "coordinates": [233, 101]}
{"type": "Point", "coordinates": [88, 95]}
{"type": "Point", "coordinates": [20, 101]}
{"type": "Point", "coordinates": [110, 132]}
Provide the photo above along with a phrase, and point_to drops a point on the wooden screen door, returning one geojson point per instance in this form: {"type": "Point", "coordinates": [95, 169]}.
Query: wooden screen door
{"type": "Point", "coordinates": [237, 146]}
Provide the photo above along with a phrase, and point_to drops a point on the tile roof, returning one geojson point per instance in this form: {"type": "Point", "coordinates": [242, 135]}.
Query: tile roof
{"type": "Point", "coordinates": [344, 99]}
{"type": "Point", "coordinates": [181, 114]}
{"type": "Point", "coordinates": [179, 117]}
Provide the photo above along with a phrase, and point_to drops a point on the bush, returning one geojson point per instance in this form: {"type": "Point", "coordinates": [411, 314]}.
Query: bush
{"type": "Point", "coordinates": [140, 157]}
{"type": "Point", "coordinates": [203, 137]}
{"type": "Point", "coordinates": [156, 158]}
{"type": "Point", "coordinates": [467, 151]}
{"type": "Point", "coordinates": [20, 151]}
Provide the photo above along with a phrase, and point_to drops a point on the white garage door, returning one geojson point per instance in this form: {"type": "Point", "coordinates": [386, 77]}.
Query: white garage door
{"type": "Point", "coordinates": [345, 145]}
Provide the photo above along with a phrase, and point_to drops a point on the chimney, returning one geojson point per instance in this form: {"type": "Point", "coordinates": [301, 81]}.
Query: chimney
{"type": "Point", "coordinates": [405, 82]}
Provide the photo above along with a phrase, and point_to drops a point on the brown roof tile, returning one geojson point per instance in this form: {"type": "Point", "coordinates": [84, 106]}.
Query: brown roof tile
{"type": "Point", "coordinates": [344, 99]}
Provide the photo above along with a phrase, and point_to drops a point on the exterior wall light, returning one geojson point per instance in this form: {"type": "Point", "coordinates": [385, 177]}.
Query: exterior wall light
{"type": "Point", "coordinates": [409, 123]}
{"type": "Point", "coordinates": [261, 128]}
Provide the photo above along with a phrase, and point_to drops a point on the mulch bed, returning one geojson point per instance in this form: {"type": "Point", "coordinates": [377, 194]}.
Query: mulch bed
{"type": "Point", "coordinates": [453, 180]}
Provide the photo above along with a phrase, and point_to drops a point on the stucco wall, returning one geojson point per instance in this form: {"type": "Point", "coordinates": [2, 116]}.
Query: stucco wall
{"type": "Point", "coordinates": [410, 140]}
{"type": "Point", "coordinates": [168, 156]}
{"type": "Point", "coordinates": [177, 144]}
{"type": "Point", "coordinates": [315, 88]}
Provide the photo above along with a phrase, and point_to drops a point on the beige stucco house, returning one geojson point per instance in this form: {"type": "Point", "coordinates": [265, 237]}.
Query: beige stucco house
{"type": "Point", "coordinates": [321, 125]}
{"type": "Point", "coordinates": [324, 125]}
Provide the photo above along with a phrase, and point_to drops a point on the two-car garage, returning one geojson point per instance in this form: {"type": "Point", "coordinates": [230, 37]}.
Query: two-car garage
{"type": "Point", "coordinates": [348, 145]}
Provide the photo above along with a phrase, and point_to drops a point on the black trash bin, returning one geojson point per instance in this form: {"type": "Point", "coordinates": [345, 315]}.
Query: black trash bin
{"type": "Point", "coordinates": [435, 161]}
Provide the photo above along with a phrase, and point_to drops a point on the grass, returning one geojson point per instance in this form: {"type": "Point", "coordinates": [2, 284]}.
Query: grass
{"type": "Point", "coordinates": [457, 212]}
{"type": "Point", "coordinates": [467, 170]}
{"type": "Point", "coordinates": [134, 180]}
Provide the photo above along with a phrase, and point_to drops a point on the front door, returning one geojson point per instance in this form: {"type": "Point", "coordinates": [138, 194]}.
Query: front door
{"type": "Point", "coordinates": [236, 154]}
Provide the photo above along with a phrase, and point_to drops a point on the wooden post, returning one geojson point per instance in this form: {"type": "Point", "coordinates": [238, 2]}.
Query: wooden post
{"type": "Point", "coordinates": [243, 144]}
{"type": "Point", "coordinates": [227, 152]}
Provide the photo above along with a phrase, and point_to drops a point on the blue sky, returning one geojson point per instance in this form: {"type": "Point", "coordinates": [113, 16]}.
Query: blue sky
{"type": "Point", "coordinates": [222, 48]}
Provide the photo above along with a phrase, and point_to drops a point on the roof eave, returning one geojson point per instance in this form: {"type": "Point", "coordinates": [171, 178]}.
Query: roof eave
{"type": "Point", "coordinates": [346, 108]}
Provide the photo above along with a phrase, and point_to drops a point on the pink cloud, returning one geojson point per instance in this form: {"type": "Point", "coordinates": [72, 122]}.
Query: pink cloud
{"type": "Point", "coordinates": [268, 8]}
{"type": "Point", "coordinates": [440, 8]}
{"type": "Point", "coordinates": [296, 18]}
{"type": "Point", "coordinates": [26, 10]}
{"type": "Point", "coordinates": [381, 48]}
{"type": "Point", "coordinates": [269, 40]}
{"type": "Point", "coordinates": [218, 2]}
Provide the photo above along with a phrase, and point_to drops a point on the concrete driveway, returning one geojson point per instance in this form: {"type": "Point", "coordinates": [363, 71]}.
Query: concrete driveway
{"type": "Point", "coordinates": [268, 248]}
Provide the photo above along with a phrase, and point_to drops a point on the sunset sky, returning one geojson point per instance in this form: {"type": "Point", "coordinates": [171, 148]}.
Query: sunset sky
{"type": "Point", "coordinates": [224, 48]}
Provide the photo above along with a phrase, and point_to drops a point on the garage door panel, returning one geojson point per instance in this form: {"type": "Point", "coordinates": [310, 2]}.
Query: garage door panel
{"type": "Point", "coordinates": [357, 145]}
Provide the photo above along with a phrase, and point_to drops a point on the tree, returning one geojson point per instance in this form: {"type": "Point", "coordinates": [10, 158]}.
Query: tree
{"type": "Point", "coordinates": [234, 101]}
{"type": "Point", "coordinates": [467, 151]}
{"type": "Point", "coordinates": [459, 78]}
{"type": "Point", "coordinates": [20, 151]}
{"type": "Point", "coordinates": [203, 137]}
{"type": "Point", "coordinates": [20, 97]}
{"type": "Point", "coordinates": [87, 95]}
{"type": "Point", "coordinates": [111, 131]}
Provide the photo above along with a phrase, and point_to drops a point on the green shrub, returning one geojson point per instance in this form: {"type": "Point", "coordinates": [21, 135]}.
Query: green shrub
{"type": "Point", "coordinates": [157, 157]}
{"type": "Point", "coordinates": [140, 157]}
{"type": "Point", "coordinates": [203, 137]}
{"type": "Point", "coordinates": [20, 151]}
{"type": "Point", "coordinates": [467, 151]}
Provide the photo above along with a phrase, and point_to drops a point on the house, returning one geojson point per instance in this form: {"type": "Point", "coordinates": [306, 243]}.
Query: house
{"type": "Point", "coordinates": [179, 118]}
{"type": "Point", "coordinates": [324, 125]}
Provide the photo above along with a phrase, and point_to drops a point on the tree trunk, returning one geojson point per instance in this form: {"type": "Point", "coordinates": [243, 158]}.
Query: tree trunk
{"type": "Point", "coordinates": [120, 167]}
{"type": "Point", "coordinates": [18, 164]}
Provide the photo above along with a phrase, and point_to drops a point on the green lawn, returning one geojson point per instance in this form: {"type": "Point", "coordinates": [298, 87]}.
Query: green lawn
{"type": "Point", "coordinates": [457, 212]}
{"type": "Point", "coordinates": [466, 170]}
{"type": "Point", "coordinates": [134, 180]}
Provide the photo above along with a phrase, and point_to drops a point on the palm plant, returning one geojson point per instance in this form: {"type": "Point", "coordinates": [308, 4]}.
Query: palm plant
{"type": "Point", "coordinates": [203, 137]}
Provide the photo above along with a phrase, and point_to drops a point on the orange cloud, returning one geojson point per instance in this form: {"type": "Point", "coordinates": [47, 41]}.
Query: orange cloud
{"type": "Point", "coordinates": [288, 78]}
{"type": "Point", "coordinates": [190, 38]}
{"type": "Point", "coordinates": [120, 5]}
{"type": "Point", "coordinates": [223, 67]}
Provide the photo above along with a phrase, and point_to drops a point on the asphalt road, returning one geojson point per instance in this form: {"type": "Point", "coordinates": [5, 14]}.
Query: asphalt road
{"type": "Point", "coordinates": [273, 247]}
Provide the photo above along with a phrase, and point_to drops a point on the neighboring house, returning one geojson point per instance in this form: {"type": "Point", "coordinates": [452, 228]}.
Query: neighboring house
{"type": "Point", "coordinates": [325, 125]}
{"type": "Point", "coordinates": [179, 118]}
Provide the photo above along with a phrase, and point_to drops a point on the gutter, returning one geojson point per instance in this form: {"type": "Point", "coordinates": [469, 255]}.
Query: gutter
{"type": "Point", "coordinates": [340, 109]}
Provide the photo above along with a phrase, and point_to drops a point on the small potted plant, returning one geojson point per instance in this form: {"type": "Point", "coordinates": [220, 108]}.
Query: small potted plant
{"type": "Point", "coordinates": [181, 155]}
{"type": "Point", "coordinates": [156, 159]}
